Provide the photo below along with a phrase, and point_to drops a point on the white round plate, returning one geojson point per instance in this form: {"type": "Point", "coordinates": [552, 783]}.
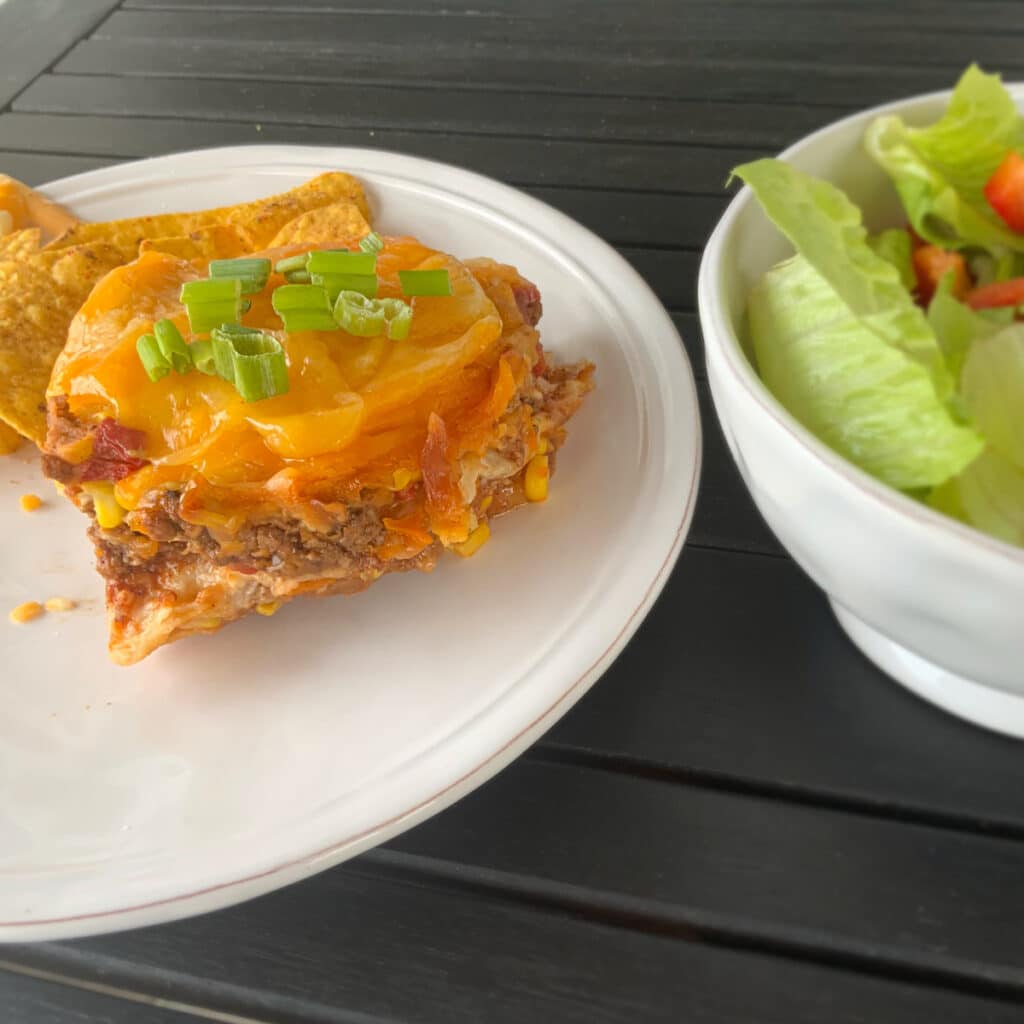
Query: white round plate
{"type": "Point", "coordinates": [226, 766]}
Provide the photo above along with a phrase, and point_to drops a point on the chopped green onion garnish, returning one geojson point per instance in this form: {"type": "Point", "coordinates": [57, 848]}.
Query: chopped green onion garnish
{"type": "Point", "coordinates": [212, 302]}
{"type": "Point", "coordinates": [340, 261]}
{"type": "Point", "coordinates": [372, 243]}
{"type": "Point", "coordinates": [223, 360]}
{"type": "Point", "coordinates": [425, 282]}
{"type": "Point", "coordinates": [303, 307]}
{"type": "Point", "coordinates": [204, 316]}
{"type": "Point", "coordinates": [290, 263]}
{"type": "Point", "coordinates": [252, 272]}
{"type": "Point", "coordinates": [359, 315]}
{"type": "Point", "coordinates": [298, 296]}
{"type": "Point", "coordinates": [298, 277]}
{"type": "Point", "coordinates": [253, 361]}
{"type": "Point", "coordinates": [172, 346]}
{"type": "Point", "coordinates": [307, 320]}
{"type": "Point", "coordinates": [399, 318]}
{"type": "Point", "coordinates": [202, 356]}
{"type": "Point", "coordinates": [153, 361]}
{"type": "Point", "coordinates": [209, 290]}
{"type": "Point", "coordinates": [365, 284]}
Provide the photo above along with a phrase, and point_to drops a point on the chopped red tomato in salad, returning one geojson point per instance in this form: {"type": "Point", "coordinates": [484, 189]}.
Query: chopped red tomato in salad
{"type": "Point", "coordinates": [1005, 191]}
{"type": "Point", "coordinates": [932, 264]}
{"type": "Point", "coordinates": [999, 293]}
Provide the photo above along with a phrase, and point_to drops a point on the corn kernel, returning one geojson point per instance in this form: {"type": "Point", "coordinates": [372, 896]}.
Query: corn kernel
{"type": "Point", "coordinates": [267, 607]}
{"type": "Point", "coordinates": [126, 495]}
{"type": "Point", "coordinates": [486, 503]}
{"type": "Point", "coordinates": [30, 502]}
{"type": "Point", "coordinates": [59, 604]}
{"type": "Point", "coordinates": [402, 478]}
{"type": "Point", "coordinates": [108, 512]}
{"type": "Point", "coordinates": [26, 612]}
{"type": "Point", "coordinates": [474, 542]}
{"type": "Point", "coordinates": [535, 482]}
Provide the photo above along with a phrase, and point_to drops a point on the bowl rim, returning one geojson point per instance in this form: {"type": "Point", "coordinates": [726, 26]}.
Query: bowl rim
{"type": "Point", "coordinates": [719, 333]}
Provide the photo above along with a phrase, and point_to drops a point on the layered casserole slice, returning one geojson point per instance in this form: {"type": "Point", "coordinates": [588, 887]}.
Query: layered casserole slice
{"type": "Point", "coordinates": [300, 446]}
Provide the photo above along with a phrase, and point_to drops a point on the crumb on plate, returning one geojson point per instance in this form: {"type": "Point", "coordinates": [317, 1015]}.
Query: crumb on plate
{"type": "Point", "coordinates": [59, 604]}
{"type": "Point", "coordinates": [26, 612]}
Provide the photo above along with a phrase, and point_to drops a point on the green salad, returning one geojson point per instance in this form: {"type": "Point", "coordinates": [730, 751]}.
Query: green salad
{"type": "Point", "coordinates": [904, 351]}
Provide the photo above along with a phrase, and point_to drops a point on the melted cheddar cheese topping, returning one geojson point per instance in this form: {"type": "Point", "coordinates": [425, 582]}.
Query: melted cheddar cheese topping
{"type": "Point", "coordinates": [356, 413]}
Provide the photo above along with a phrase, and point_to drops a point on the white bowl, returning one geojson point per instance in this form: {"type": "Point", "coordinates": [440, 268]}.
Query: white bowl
{"type": "Point", "coordinates": [935, 604]}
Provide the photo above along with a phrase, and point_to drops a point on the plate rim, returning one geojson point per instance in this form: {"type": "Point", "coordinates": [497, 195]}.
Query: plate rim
{"type": "Point", "coordinates": [250, 884]}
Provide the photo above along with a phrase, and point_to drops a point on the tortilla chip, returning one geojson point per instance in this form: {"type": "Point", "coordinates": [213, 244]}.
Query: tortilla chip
{"type": "Point", "coordinates": [216, 242]}
{"type": "Point", "coordinates": [262, 218]}
{"type": "Point", "coordinates": [39, 296]}
{"type": "Point", "coordinates": [9, 439]}
{"type": "Point", "coordinates": [324, 224]}
{"type": "Point", "coordinates": [42, 289]}
{"type": "Point", "coordinates": [19, 244]}
{"type": "Point", "coordinates": [23, 207]}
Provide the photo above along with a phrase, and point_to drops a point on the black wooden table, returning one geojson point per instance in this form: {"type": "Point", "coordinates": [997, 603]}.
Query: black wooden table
{"type": "Point", "coordinates": [743, 821]}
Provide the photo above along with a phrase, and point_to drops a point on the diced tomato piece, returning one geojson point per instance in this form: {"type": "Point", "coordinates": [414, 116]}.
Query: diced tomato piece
{"type": "Point", "coordinates": [113, 451]}
{"type": "Point", "coordinates": [97, 468]}
{"type": "Point", "coordinates": [1000, 293]}
{"type": "Point", "coordinates": [931, 264]}
{"type": "Point", "coordinates": [1005, 191]}
{"type": "Point", "coordinates": [527, 297]}
{"type": "Point", "coordinates": [110, 440]}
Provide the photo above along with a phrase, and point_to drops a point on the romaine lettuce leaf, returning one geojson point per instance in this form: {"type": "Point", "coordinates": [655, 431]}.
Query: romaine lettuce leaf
{"type": "Point", "coordinates": [992, 385]}
{"type": "Point", "coordinates": [862, 396]}
{"type": "Point", "coordinates": [826, 230]}
{"type": "Point", "coordinates": [941, 170]}
{"type": "Point", "coordinates": [988, 494]}
{"type": "Point", "coordinates": [956, 326]}
{"type": "Point", "coordinates": [894, 247]}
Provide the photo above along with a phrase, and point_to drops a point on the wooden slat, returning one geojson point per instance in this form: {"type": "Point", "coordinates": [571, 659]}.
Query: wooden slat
{"type": "Point", "coordinates": [498, 66]}
{"type": "Point", "coordinates": [806, 878]}
{"type": "Point", "coordinates": [354, 946]}
{"type": "Point", "coordinates": [33, 36]}
{"type": "Point", "coordinates": [688, 326]}
{"type": "Point", "coordinates": [546, 162]}
{"type": "Point", "coordinates": [441, 110]}
{"type": "Point", "coordinates": [37, 168]}
{"type": "Point", "coordinates": [808, 39]}
{"type": "Point", "coordinates": [671, 273]}
{"type": "Point", "coordinates": [687, 23]}
{"type": "Point", "coordinates": [725, 516]}
{"type": "Point", "coordinates": [970, 14]}
{"type": "Point", "coordinates": [741, 674]}
{"type": "Point", "coordinates": [25, 999]}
